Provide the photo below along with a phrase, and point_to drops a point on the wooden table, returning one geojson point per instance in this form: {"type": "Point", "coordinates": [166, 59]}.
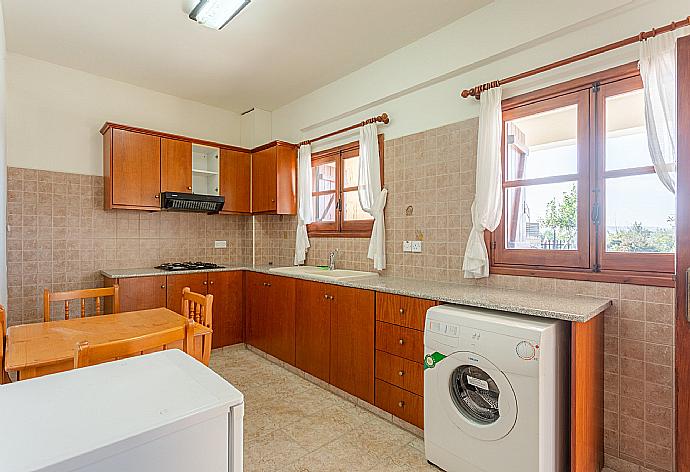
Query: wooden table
{"type": "Point", "coordinates": [39, 349]}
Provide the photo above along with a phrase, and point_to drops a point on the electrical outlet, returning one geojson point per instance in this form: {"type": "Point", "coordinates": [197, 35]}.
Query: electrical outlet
{"type": "Point", "coordinates": [220, 244]}
{"type": "Point", "coordinates": [416, 246]}
{"type": "Point", "coordinates": [407, 246]}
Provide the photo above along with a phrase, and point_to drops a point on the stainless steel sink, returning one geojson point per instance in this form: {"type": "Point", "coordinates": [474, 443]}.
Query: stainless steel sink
{"type": "Point", "coordinates": [323, 273]}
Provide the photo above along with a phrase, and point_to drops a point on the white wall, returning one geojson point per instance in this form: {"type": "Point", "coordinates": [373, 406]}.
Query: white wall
{"type": "Point", "coordinates": [3, 166]}
{"type": "Point", "coordinates": [256, 128]}
{"type": "Point", "coordinates": [419, 85]}
{"type": "Point", "coordinates": [55, 113]}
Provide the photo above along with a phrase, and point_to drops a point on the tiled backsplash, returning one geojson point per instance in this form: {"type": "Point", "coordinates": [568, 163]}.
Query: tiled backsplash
{"type": "Point", "coordinates": [59, 237]}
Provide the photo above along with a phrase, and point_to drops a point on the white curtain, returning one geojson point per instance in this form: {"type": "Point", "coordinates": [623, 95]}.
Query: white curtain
{"type": "Point", "coordinates": [372, 197]}
{"type": "Point", "coordinates": [659, 75]}
{"type": "Point", "coordinates": [304, 204]}
{"type": "Point", "coordinates": [488, 197]}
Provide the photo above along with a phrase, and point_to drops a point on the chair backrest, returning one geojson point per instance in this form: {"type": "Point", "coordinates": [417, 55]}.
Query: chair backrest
{"type": "Point", "coordinates": [86, 354]}
{"type": "Point", "coordinates": [4, 377]}
{"type": "Point", "coordinates": [197, 307]}
{"type": "Point", "coordinates": [82, 296]}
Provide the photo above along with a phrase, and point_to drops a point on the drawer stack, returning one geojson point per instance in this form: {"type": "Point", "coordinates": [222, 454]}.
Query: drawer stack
{"type": "Point", "coordinates": [400, 356]}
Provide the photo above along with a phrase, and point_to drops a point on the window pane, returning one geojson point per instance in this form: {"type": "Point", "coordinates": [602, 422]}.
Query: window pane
{"type": "Point", "coordinates": [542, 145]}
{"type": "Point", "coordinates": [640, 215]}
{"type": "Point", "coordinates": [351, 172]}
{"type": "Point", "coordinates": [324, 177]}
{"type": "Point", "coordinates": [352, 209]}
{"type": "Point", "coordinates": [626, 137]}
{"type": "Point", "coordinates": [542, 217]}
{"type": "Point", "coordinates": [324, 207]}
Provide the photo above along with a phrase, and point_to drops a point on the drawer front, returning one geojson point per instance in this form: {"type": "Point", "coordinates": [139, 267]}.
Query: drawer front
{"type": "Point", "coordinates": [402, 311]}
{"type": "Point", "coordinates": [400, 341]}
{"type": "Point", "coordinates": [401, 403]}
{"type": "Point", "coordinates": [400, 372]}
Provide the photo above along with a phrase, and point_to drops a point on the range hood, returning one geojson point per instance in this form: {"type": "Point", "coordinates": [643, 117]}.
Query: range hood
{"type": "Point", "coordinates": [191, 202]}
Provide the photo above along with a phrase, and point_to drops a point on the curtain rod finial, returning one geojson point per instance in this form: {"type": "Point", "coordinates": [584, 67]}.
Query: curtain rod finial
{"type": "Point", "coordinates": [384, 118]}
{"type": "Point", "coordinates": [465, 93]}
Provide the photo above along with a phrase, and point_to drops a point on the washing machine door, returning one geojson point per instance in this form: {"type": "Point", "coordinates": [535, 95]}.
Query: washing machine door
{"type": "Point", "coordinates": [479, 400]}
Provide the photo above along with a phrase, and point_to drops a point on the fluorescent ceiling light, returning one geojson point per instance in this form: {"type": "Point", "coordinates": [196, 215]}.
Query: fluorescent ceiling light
{"type": "Point", "coordinates": [217, 13]}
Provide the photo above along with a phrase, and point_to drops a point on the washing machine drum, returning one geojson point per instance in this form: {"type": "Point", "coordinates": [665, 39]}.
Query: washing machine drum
{"type": "Point", "coordinates": [476, 395]}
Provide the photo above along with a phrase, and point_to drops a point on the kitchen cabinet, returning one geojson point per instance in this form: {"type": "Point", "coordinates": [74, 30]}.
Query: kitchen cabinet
{"type": "Point", "coordinates": [139, 293]}
{"type": "Point", "coordinates": [271, 315]}
{"type": "Point", "coordinates": [401, 403]}
{"type": "Point", "coordinates": [313, 328]}
{"type": "Point", "coordinates": [227, 289]}
{"type": "Point", "coordinates": [196, 282]}
{"type": "Point", "coordinates": [235, 180]}
{"type": "Point", "coordinates": [274, 179]}
{"type": "Point", "coordinates": [131, 169]}
{"type": "Point", "coordinates": [352, 341]}
{"type": "Point", "coordinates": [176, 166]}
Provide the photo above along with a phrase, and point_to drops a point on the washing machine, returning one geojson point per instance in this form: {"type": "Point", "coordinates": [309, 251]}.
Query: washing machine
{"type": "Point", "coordinates": [495, 391]}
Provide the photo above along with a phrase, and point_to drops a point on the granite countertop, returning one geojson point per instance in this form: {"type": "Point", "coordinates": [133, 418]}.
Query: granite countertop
{"type": "Point", "coordinates": [545, 305]}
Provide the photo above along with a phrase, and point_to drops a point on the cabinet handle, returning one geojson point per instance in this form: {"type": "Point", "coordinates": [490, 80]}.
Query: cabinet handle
{"type": "Point", "coordinates": [211, 282]}
{"type": "Point", "coordinates": [162, 286]}
{"type": "Point", "coordinates": [205, 282]}
{"type": "Point", "coordinates": [401, 373]}
{"type": "Point", "coordinates": [189, 188]}
{"type": "Point", "coordinates": [268, 284]}
{"type": "Point", "coordinates": [401, 404]}
{"type": "Point", "coordinates": [326, 297]}
{"type": "Point", "coordinates": [332, 297]}
{"type": "Point", "coordinates": [402, 311]}
{"type": "Point", "coordinates": [401, 341]}
{"type": "Point", "coordinates": [156, 196]}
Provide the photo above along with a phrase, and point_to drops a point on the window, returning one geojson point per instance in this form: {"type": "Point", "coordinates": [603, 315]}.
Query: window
{"type": "Point", "coordinates": [580, 192]}
{"type": "Point", "coordinates": [335, 202]}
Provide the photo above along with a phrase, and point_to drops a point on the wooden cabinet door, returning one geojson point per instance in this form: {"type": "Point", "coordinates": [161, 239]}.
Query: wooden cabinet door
{"type": "Point", "coordinates": [279, 318]}
{"type": "Point", "coordinates": [196, 282]}
{"type": "Point", "coordinates": [142, 293]}
{"type": "Point", "coordinates": [256, 306]}
{"type": "Point", "coordinates": [313, 328]}
{"type": "Point", "coordinates": [136, 169]}
{"type": "Point", "coordinates": [227, 289]}
{"type": "Point", "coordinates": [352, 342]}
{"type": "Point", "coordinates": [286, 179]}
{"type": "Point", "coordinates": [176, 166]}
{"type": "Point", "coordinates": [264, 186]}
{"type": "Point", "coordinates": [235, 180]}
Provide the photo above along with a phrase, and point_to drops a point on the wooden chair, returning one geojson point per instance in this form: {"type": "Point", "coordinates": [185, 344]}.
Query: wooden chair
{"type": "Point", "coordinates": [4, 376]}
{"type": "Point", "coordinates": [199, 308]}
{"type": "Point", "coordinates": [82, 296]}
{"type": "Point", "coordinates": [86, 354]}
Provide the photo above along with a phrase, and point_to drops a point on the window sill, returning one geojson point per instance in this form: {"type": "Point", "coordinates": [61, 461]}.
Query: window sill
{"type": "Point", "coordinates": [332, 234]}
{"type": "Point", "coordinates": [635, 278]}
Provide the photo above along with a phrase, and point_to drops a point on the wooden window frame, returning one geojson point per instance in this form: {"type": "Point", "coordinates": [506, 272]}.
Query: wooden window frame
{"type": "Point", "coordinates": [340, 228]}
{"type": "Point", "coordinates": [590, 261]}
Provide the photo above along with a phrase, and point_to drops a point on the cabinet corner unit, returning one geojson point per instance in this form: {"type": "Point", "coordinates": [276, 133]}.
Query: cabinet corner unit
{"type": "Point", "coordinates": [274, 178]}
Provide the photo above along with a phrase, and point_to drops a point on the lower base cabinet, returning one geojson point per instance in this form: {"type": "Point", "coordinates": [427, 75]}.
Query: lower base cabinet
{"type": "Point", "coordinates": [271, 315]}
{"type": "Point", "coordinates": [313, 328]}
{"type": "Point", "coordinates": [405, 405]}
{"type": "Point", "coordinates": [227, 288]}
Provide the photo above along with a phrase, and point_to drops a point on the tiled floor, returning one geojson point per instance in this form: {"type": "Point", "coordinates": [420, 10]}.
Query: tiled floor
{"type": "Point", "coordinates": [292, 425]}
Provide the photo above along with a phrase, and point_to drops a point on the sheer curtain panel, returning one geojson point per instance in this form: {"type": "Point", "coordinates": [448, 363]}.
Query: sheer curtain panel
{"type": "Point", "coordinates": [372, 197]}
{"type": "Point", "coordinates": [488, 197]}
{"type": "Point", "coordinates": [304, 204]}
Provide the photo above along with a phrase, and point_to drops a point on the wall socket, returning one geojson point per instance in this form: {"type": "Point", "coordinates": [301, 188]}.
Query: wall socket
{"type": "Point", "coordinates": [220, 244]}
{"type": "Point", "coordinates": [412, 246]}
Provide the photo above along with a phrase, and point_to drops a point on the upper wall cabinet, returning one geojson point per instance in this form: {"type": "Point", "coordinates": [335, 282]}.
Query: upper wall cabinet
{"type": "Point", "coordinates": [132, 170]}
{"type": "Point", "coordinates": [139, 164]}
{"type": "Point", "coordinates": [274, 179]}
{"type": "Point", "coordinates": [176, 165]}
{"type": "Point", "coordinates": [235, 180]}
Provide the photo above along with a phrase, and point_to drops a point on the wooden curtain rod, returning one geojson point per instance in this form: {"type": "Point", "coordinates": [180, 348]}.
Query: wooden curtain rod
{"type": "Point", "coordinates": [383, 118]}
{"type": "Point", "coordinates": [476, 91]}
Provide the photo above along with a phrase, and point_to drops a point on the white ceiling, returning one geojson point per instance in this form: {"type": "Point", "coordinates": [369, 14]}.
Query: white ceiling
{"type": "Point", "coordinates": [272, 53]}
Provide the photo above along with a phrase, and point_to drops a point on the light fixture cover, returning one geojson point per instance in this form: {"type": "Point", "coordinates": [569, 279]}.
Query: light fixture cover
{"type": "Point", "coordinates": [217, 13]}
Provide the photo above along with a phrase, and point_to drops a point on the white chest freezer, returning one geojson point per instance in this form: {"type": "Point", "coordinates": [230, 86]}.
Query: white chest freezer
{"type": "Point", "coordinates": [162, 411]}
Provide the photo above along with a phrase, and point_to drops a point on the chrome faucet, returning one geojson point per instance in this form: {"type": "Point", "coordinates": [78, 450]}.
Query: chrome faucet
{"type": "Point", "coordinates": [331, 260]}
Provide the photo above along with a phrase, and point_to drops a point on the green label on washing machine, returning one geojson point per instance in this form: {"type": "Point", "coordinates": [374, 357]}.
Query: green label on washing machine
{"type": "Point", "coordinates": [430, 360]}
